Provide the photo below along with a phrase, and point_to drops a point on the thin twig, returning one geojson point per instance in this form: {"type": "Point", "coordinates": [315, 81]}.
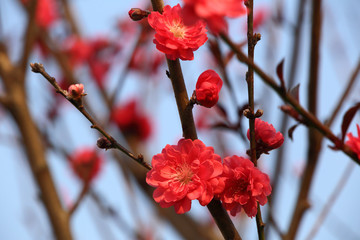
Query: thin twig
{"type": "Point", "coordinates": [82, 194]}
{"type": "Point", "coordinates": [314, 137]}
{"type": "Point", "coordinates": [284, 122]}
{"type": "Point", "coordinates": [310, 119]}
{"type": "Point", "coordinates": [39, 68]}
{"type": "Point", "coordinates": [252, 40]}
{"type": "Point", "coordinates": [345, 94]}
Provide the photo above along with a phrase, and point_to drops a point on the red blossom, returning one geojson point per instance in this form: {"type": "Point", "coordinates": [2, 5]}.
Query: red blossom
{"type": "Point", "coordinates": [266, 137]}
{"type": "Point", "coordinates": [174, 38]}
{"type": "Point", "coordinates": [213, 12]}
{"type": "Point", "coordinates": [86, 163]}
{"type": "Point", "coordinates": [207, 88]}
{"type": "Point", "coordinates": [131, 121]}
{"type": "Point", "coordinates": [245, 186]}
{"type": "Point", "coordinates": [145, 61]}
{"type": "Point", "coordinates": [184, 172]}
{"type": "Point", "coordinates": [354, 142]}
{"type": "Point", "coordinates": [46, 12]}
{"type": "Point", "coordinates": [78, 50]}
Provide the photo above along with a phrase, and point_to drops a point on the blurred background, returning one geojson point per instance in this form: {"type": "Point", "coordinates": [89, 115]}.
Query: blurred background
{"type": "Point", "coordinates": [96, 43]}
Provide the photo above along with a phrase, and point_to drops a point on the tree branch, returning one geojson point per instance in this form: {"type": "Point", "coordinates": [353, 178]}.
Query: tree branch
{"type": "Point", "coordinates": [39, 68]}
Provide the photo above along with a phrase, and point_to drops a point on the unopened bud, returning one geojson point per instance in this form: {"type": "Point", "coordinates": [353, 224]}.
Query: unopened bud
{"type": "Point", "coordinates": [259, 113]}
{"type": "Point", "coordinates": [76, 91]}
{"type": "Point", "coordinates": [137, 14]}
{"type": "Point", "coordinates": [104, 143]}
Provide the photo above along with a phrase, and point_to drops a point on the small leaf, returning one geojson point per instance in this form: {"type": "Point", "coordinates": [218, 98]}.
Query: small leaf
{"type": "Point", "coordinates": [348, 116]}
{"type": "Point", "coordinates": [294, 92]}
{"type": "Point", "coordinates": [291, 131]}
{"type": "Point", "coordinates": [280, 73]}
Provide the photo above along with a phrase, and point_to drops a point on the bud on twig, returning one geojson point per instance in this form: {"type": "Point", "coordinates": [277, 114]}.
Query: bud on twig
{"type": "Point", "coordinates": [104, 143]}
{"type": "Point", "coordinates": [137, 14]}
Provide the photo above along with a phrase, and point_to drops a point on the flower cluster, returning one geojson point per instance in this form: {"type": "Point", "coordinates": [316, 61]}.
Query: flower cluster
{"type": "Point", "coordinates": [174, 38]}
{"type": "Point", "coordinates": [213, 12]}
{"type": "Point", "coordinates": [185, 172]}
{"type": "Point", "coordinates": [190, 170]}
{"type": "Point", "coordinates": [132, 122]}
{"type": "Point", "coordinates": [266, 137]}
{"type": "Point", "coordinates": [207, 88]}
{"type": "Point", "coordinates": [354, 142]}
{"type": "Point", "coordinates": [86, 163]}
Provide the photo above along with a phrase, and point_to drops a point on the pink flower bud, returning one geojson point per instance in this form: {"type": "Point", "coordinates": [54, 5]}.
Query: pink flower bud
{"type": "Point", "coordinates": [76, 91]}
{"type": "Point", "coordinates": [207, 88]}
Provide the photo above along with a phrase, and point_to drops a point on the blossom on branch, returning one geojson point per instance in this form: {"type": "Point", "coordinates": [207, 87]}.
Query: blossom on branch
{"type": "Point", "coordinates": [76, 91]}
{"type": "Point", "coordinates": [354, 142]}
{"type": "Point", "coordinates": [174, 38]}
{"type": "Point", "coordinates": [185, 172]}
{"type": "Point", "coordinates": [131, 121]}
{"type": "Point", "coordinates": [245, 186]}
{"type": "Point", "coordinates": [86, 163]}
{"type": "Point", "coordinates": [208, 88]}
{"type": "Point", "coordinates": [213, 12]}
{"type": "Point", "coordinates": [266, 137]}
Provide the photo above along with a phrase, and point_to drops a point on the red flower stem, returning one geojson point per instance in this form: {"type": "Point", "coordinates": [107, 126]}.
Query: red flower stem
{"type": "Point", "coordinates": [309, 117]}
{"type": "Point", "coordinates": [252, 39]}
{"type": "Point", "coordinates": [84, 191]}
{"type": "Point", "coordinates": [314, 137]}
{"type": "Point", "coordinates": [39, 68]}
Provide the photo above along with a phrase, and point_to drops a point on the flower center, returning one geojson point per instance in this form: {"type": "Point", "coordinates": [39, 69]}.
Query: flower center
{"type": "Point", "coordinates": [184, 174]}
{"type": "Point", "coordinates": [178, 30]}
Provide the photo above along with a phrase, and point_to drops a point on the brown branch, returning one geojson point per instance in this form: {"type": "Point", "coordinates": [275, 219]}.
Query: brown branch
{"type": "Point", "coordinates": [310, 119]}
{"type": "Point", "coordinates": [85, 189]}
{"type": "Point", "coordinates": [39, 68]}
{"type": "Point", "coordinates": [252, 40]}
{"type": "Point", "coordinates": [314, 137]}
{"type": "Point", "coordinates": [70, 17]}
{"type": "Point", "coordinates": [215, 207]}
{"type": "Point", "coordinates": [30, 36]}
{"type": "Point", "coordinates": [284, 122]}
{"type": "Point", "coordinates": [33, 145]}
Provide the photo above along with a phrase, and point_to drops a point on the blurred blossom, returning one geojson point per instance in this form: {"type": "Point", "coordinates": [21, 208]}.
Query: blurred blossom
{"type": "Point", "coordinates": [46, 12]}
{"type": "Point", "coordinates": [213, 12]}
{"type": "Point", "coordinates": [86, 163]}
{"type": "Point", "coordinates": [132, 121]}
